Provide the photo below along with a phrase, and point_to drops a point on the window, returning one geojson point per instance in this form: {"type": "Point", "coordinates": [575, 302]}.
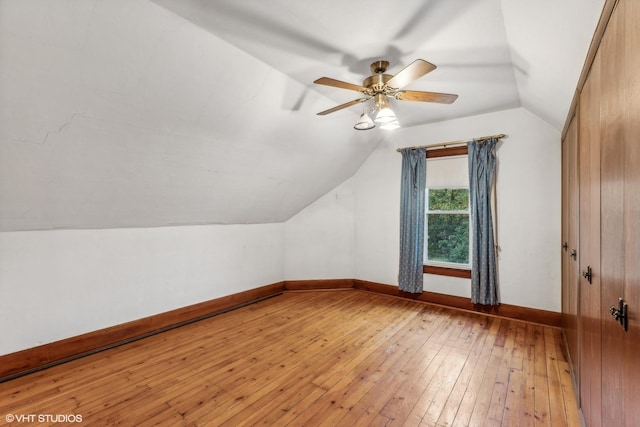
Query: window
{"type": "Point", "coordinates": [447, 227]}
{"type": "Point", "coordinates": [446, 238]}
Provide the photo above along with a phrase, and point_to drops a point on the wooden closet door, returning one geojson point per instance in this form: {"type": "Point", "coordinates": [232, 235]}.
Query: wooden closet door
{"type": "Point", "coordinates": [589, 253]}
{"type": "Point", "coordinates": [631, 391]}
{"type": "Point", "coordinates": [569, 238]}
{"type": "Point", "coordinates": [612, 216]}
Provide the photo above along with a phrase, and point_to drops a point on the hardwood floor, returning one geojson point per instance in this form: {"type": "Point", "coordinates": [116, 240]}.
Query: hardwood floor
{"type": "Point", "coordinates": [323, 358]}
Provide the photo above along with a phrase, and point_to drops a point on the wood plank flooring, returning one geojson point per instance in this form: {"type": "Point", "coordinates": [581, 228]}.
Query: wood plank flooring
{"type": "Point", "coordinates": [323, 358]}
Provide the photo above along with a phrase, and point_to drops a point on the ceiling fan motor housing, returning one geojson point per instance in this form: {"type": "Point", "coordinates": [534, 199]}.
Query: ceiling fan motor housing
{"type": "Point", "coordinates": [377, 82]}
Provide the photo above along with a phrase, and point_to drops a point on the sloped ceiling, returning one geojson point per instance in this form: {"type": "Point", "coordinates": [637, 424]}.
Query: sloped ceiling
{"type": "Point", "coordinates": [128, 113]}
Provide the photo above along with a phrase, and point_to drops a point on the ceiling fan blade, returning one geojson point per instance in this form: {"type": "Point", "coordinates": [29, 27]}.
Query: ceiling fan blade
{"type": "Point", "coordinates": [341, 106]}
{"type": "Point", "coordinates": [416, 95]}
{"type": "Point", "coordinates": [411, 72]}
{"type": "Point", "coordinates": [339, 83]}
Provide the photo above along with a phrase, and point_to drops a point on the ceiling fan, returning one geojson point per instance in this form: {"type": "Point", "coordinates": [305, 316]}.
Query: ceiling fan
{"type": "Point", "coordinates": [380, 86]}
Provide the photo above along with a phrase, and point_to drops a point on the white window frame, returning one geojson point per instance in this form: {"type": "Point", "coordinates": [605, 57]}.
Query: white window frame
{"type": "Point", "coordinates": [467, 212]}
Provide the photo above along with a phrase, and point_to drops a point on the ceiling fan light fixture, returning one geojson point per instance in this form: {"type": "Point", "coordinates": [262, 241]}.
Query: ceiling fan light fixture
{"type": "Point", "coordinates": [364, 123]}
{"type": "Point", "coordinates": [385, 115]}
{"type": "Point", "coordinates": [390, 125]}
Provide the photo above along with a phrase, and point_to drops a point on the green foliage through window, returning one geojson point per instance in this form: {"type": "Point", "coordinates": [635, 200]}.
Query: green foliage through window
{"type": "Point", "coordinates": [448, 199]}
{"type": "Point", "coordinates": [448, 225]}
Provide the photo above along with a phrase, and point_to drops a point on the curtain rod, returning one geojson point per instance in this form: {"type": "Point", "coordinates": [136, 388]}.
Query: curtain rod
{"type": "Point", "coordinates": [446, 144]}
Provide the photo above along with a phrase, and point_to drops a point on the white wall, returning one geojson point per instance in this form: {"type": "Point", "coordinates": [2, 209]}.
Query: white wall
{"type": "Point", "coordinates": [528, 193]}
{"type": "Point", "coordinates": [319, 240]}
{"type": "Point", "coordinates": [61, 283]}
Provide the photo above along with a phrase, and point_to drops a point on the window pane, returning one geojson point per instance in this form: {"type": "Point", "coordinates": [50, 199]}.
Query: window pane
{"type": "Point", "coordinates": [448, 199]}
{"type": "Point", "coordinates": [448, 238]}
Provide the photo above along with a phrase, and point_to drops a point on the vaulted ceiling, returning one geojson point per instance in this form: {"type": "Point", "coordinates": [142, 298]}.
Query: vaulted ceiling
{"type": "Point", "coordinates": [127, 113]}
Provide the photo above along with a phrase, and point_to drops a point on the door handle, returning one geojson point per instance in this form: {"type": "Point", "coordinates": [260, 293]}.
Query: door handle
{"type": "Point", "coordinates": [574, 254]}
{"type": "Point", "coordinates": [565, 246]}
{"type": "Point", "coordinates": [620, 313]}
{"type": "Point", "coordinates": [588, 274]}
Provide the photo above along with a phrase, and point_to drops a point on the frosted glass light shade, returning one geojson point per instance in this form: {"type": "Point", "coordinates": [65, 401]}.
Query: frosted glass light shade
{"type": "Point", "coordinates": [385, 115]}
{"type": "Point", "coordinates": [364, 123]}
{"type": "Point", "coordinates": [390, 125]}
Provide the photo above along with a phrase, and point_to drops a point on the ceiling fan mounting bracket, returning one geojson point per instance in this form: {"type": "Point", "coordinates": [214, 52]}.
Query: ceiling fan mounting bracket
{"type": "Point", "coordinates": [379, 67]}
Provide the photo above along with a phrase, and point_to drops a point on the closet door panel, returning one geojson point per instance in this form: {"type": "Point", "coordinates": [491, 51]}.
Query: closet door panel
{"type": "Point", "coordinates": [589, 253]}
{"type": "Point", "coordinates": [631, 12]}
{"type": "Point", "coordinates": [612, 217]}
{"type": "Point", "coordinates": [569, 264]}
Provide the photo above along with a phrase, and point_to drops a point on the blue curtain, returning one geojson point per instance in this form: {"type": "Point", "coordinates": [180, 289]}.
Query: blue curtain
{"type": "Point", "coordinates": [482, 162]}
{"type": "Point", "coordinates": [412, 216]}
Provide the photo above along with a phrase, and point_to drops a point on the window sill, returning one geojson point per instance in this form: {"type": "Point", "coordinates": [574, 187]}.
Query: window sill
{"type": "Point", "coordinates": [447, 271]}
